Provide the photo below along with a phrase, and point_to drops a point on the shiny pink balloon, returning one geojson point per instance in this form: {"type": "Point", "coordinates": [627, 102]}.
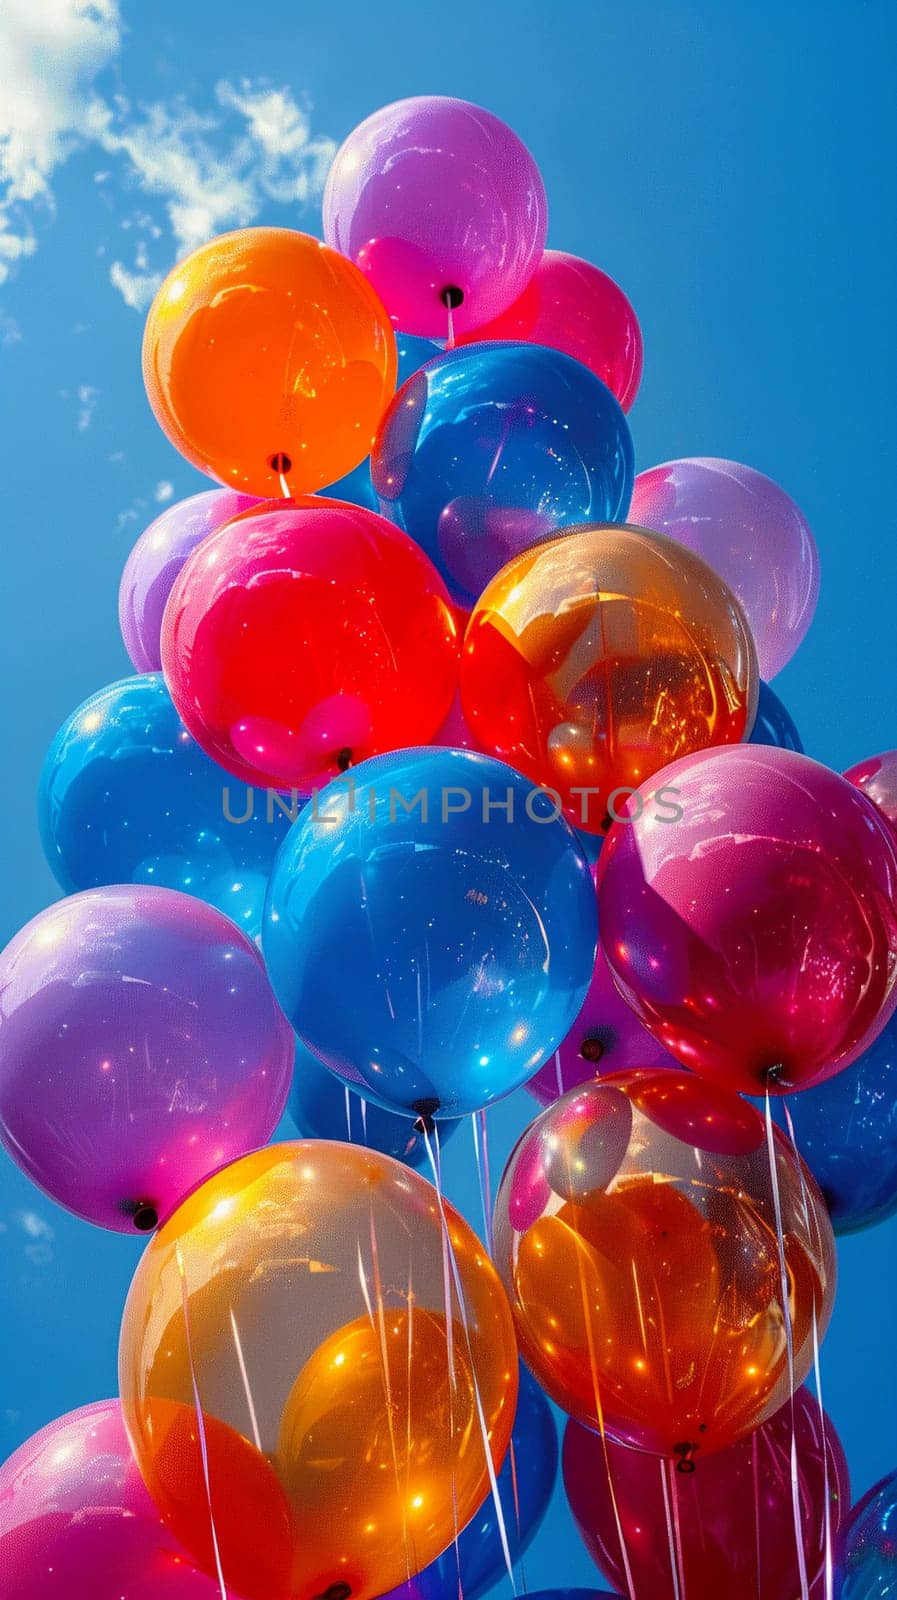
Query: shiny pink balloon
{"type": "Point", "coordinates": [750, 532]}
{"type": "Point", "coordinates": [734, 1512]}
{"type": "Point", "coordinates": [756, 936]}
{"type": "Point", "coordinates": [77, 1523]}
{"type": "Point", "coordinates": [572, 306]}
{"type": "Point", "coordinates": [877, 777]}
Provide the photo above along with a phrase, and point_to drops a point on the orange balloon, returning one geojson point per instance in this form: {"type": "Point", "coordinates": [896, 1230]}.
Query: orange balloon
{"type": "Point", "coordinates": [267, 355]}
{"type": "Point", "coordinates": [301, 1289]}
{"type": "Point", "coordinates": [593, 660]}
{"type": "Point", "coordinates": [636, 1234]}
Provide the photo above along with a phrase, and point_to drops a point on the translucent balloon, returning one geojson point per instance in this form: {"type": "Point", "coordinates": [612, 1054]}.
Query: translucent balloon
{"type": "Point", "coordinates": [734, 1517]}
{"type": "Point", "coordinates": [299, 641]}
{"type": "Point", "coordinates": [773, 724]}
{"type": "Point", "coordinates": [594, 659]}
{"type": "Point", "coordinates": [77, 1523]}
{"type": "Point", "coordinates": [877, 777]}
{"type": "Point", "coordinates": [126, 796]}
{"type": "Point", "coordinates": [322, 1107]}
{"type": "Point", "coordinates": [491, 448]}
{"type": "Point", "coordinates": [572, 306]}
{"type": "Point", "coordinates": [140, 1049]}
{"type": "Point", "coordinates": [867, 1548]}
{"type": "Point", "coordinates": [268, 357]}
{"type": "Point", "coordinates": [300, 1293]}
{"type": "Point", "coordinates": [439, 204]}
{"type": "Point", "coordinates": [635, 1231]}
{"type": "Point", "coordinates": [755, 935]}
{"type": "Point", "coordinates": [155, 562]}
{"type": "Point", "coordinates": [356, 487]}
{"type": "Point", "coordinates": [751, 532]}
{"type": "Point", "coordinates": [447, 898]}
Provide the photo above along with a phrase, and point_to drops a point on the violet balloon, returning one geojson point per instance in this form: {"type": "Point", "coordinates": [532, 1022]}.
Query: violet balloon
{"type": "Point", "coordinates": [141, 1048]}
{"type": "Point", "coordinates": [756, 936]}
{"type": "Point", "coordinates": [752, 534]}
{"type": "Point", "coordinates": [77, 1522]}
{"type": "Point", "coordinates": [439, 203]}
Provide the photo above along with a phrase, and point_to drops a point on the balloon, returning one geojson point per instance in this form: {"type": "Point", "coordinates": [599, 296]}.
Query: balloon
{"type": "Point", "coordinates": [773, 724]}
{"type": "Point", "coordinates": [302, 640]}
{"type": "Point", "coordinates": [735, 1515]}
{"type": "Point", "coordinates": [455, 731]}
{"type": "Point", "coordinates": [126, 796]}
{"type": "Point", "coordinates": [756, 934]}
{"type": "Point", "coordinates": [268, 357]}
{"type": "Point", "coordinates": [490, 448]}
{"type": "Point", "coordinates": [751, 532]}
{"type": "Point", "coordinates": [877, 777]}
{"type": "Point", "coordinates": [356, 486]}
{"type": "Point", "coordinates": [155, 562]}
{"type": "Point", "coordinates": [140, 1049]}
{"type": "Point", "coordinates": [867, 1547]}
{"type": "Point", "coordinates": [572, 306]}
{"type": "Point", "coordinates": [646, 1199]}
{"type": "Point", "coordinates": [324, 1108]}
{"type": "Point", "coordinates": [301, 1291]}
{"type": "Point", "coordinates": [593, 660]}
{"type": "Point", "coordinates": [76, 1521]}
{"type": "Point", "coordinates": [439, 204]}
{"type": "Point", "coordinates": [430, 930]}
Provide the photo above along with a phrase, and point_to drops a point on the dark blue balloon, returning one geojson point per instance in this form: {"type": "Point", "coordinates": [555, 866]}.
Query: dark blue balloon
{"type": "Point", "coordinates": [428, 947]}
{"type": "Point", "coordinates": [866, 1565]}
{"type": "Point", "coordinates": [323, 1107]}
{"type": "Point", "coordinates": [356, 486]}
{"type": "Point", "coordinates": [774, 724]}
{"type": "Point", "coordinates": [492, 447]}
{"type": "Point", "coordinates": [127, 796]}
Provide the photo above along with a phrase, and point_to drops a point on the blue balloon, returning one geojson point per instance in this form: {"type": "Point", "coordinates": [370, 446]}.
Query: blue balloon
{"type": "Point", "coordinates": [430, 929]}
{"type": "Point", "coordinates": [866, 1567]}
{"type": "Point", "coordinates": [356, 486]}
{"type": "Point", "coordinates": [324, 1108]}
{"type": "Point", "coordinates": [127, 796]}
{"type": "Point", "coordinates": [492, 447]}
{"type": "Point", "coordinates": [774, 725]}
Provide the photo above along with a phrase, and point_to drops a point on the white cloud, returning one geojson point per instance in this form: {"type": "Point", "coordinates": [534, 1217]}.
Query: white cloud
{"type": "Point", "coordinates": [87, 402]}
{"type": "Point", "coordinates": [164, 492]}
{"type": "Point", "coordinates": [136, 288]}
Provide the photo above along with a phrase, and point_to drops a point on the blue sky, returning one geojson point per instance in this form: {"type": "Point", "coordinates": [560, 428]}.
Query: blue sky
{"type": "Point", "coordinates": [731, 162]}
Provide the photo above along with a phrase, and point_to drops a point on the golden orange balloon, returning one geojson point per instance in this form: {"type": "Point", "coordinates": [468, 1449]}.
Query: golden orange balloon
{"type": "Point", "coordinates": [300, 1294]}
{"type": "Point", "coordinates": [636, 1234]}
{"type": "Point", "coordinates": [593, 660]}
{"type": "Point", "coordinates": [268, 356]}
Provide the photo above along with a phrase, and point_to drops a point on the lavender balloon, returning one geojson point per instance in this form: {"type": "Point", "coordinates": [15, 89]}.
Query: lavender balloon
{"type": "Point", "coordinates": [750, 532]}
{"type": "Point", "coordinates": [155, 562]}
{"type": "Point", "coordinates": [141, 1048]}
{"type": "Point", "coordinates": [77, 1523]}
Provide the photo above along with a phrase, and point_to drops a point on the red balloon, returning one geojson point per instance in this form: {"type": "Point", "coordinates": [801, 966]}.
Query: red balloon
{"type": "Point", "coordinates": [572, 306]}
{"type": "Point", "coordinates": [735, 1512]}
{"type": "Point", "coordinates": [877, 777]}
{"type": "Point", "coordinates": [755, 933]}
{"type": "Point", "coordinates": [297, 641]}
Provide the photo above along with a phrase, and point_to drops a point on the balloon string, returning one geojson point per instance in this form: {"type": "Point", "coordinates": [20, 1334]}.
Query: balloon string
{"type": "Point", "coordinates": [200, 1422]}
{"type": "Point", "coordinates": [558, 1072]}
{"type": "Point", "coordinates": [481, 1152]}
{"type": "Point", "coordinates": [284, 487]}
{"type": "Point", "coordinates": [378, 1328]}
{"type": "Point", "coordinates": [515, 1486]}
{"type": "Point", "coordinates": [755, 1463]}
{"type": "Point", "coordinates": [789, 1348]}
{"type": "Point", "coordinates": [450, 340]}
{"type": "Point", "coordinates": [674, 1559]}
{"type": "Point", "coordinates": [241, 1362]}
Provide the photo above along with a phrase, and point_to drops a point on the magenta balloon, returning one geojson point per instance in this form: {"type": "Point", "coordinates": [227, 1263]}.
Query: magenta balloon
{"type": "Point", "coordinates": [141, 1048]}
{"type": "Point", "coordinates": [155, 562]}
{"type": "Point", "coordinates": [77, 1523]}
{"type": "Point", "coordinates": [752, 534]}
{"type": "Point", "coordinates": [756, 935]}
{"type": "Point", "coordinates": [433, 194]}
{"type": "Point", "coordinates": [877, 777]}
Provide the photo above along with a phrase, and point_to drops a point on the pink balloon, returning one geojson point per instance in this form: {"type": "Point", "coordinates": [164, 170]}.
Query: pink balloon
{"type": "Point", "coordinates": [430, 195]}
{"type": "Point", "coordinates": [735, 1516]}
{"type": "Point", "coordinates": [572, 306]}
{"type": "Point", "coordinates": [756, 936]}
{"type": "Point", "coordinates": [77, 1523]}
{"type": "Point", "coordinates": [750, 532]}
{"type": "Point", "coordinates": [877, 777]}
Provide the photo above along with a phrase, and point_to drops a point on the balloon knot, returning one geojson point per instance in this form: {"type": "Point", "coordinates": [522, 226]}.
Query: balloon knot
{"type": "Point", "coordinates": [426, 1110]}
{"type": "Point", "coordinates": [591, 1050]}
{"type": "Point", "coordinates": [144, 1216]}
{"type": "Point", "coordinates": [452, 297]}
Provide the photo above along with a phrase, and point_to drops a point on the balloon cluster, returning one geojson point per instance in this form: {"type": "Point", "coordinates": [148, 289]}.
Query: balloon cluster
{"type": "Point", "coordinates": [448, 768]}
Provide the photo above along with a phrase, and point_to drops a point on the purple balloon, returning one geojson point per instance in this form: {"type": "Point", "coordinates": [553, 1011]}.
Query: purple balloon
{"type": "Point", "coordinates": [750, 532]}
{"type": "Point", "coordinates": [77, 1523]}
{"type": "Point", "coordinates": [141, 1048]}
{"type": "Point", "coordinates": [156, 560]}
{"type": "Point", "coordinates": [433, 194]}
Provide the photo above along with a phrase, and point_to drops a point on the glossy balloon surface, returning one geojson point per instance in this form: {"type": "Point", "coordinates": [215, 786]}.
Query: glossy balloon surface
{"type": "Point", "coordinates": [431, 194]}
{"type": "Point", "coordinates": [773, 724]}
{"type": "Point", "coordinates": [756, 935]}
{"type": "Point", "coordinates": [877, 777]}
{"type": "Point", "coordinates": [356, 486]}
{"type": "Point", "coordinates": [490, 448]}
{"type": "Point", "coordinates": [140, 1049]}
{"type": "Point", "coordinates": [267, 355]}
{"type": "Point", "coordinates": [595, 659]}
{"type": "Point", "coordinates": [324, 1107]}
{"type": "Point", "coordinates": [867, 1549]}
{"type": "Point", "coordinates": [301, 640]}
{"type": "Point", "coordinates": [302, 1290]}
{"type": "Point", "coordinates": [635, 1233]}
